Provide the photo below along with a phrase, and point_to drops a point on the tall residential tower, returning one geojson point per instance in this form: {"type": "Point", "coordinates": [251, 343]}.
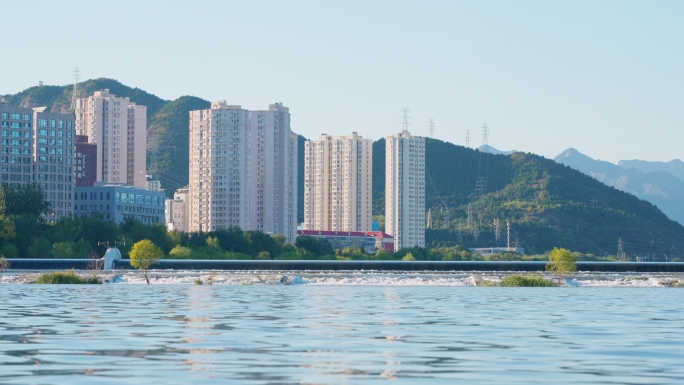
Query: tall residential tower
{"type": "Point", "coordinates": [118, 127]}
{"type": "Point", "coordinates": [243, 170]}
{"type": "Point", "coordinates": [405, 190]}
{"type": "Point", "coordinates": [338, 183]}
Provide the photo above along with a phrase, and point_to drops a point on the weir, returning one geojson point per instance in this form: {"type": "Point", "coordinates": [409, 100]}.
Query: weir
{"type": "Point", "coordinates": [171, 264]}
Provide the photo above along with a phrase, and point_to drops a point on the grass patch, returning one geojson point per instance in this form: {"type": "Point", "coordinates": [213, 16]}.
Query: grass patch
{"type": "Point", "coordinates": [66, 277]}
{"type": "Point", "coordinates": [527, 281]}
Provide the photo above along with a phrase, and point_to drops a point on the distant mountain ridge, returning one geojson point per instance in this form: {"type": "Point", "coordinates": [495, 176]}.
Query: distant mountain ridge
{"type": "Point", "coordinates": [492, 150]}
{"type": "Point", "coordinates": [674, 167]}
{"type": "Point", "coordinates": [646, 180]}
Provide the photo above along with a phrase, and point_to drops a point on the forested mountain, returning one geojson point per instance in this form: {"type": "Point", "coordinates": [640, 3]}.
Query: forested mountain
{"type": "Point", "coordinates": [547, 205]}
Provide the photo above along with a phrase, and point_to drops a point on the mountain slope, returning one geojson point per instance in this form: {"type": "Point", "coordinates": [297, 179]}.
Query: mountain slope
{"type": "Point", "coordinates": [167, 142]}
{"type": "Point", "coordinates": [547, 205]}
{"type": "Point", "coordinates": [658, 187]}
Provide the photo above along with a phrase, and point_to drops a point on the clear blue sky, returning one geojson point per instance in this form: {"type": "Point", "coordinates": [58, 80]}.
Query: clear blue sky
{"type": "Point", "coordinates": [605, 77]}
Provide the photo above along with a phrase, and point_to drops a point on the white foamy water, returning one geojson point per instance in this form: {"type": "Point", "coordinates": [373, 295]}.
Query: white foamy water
{"type": "Point", "coordinates": [359, 278]}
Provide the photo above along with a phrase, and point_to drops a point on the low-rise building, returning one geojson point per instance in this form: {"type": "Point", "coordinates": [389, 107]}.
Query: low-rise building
{"type": "Point", "coordinates": [176, 209]}
{"type": "Point", "coordinates": [120, 201]}
{"type": "Point", "coordinates": [369, 241]}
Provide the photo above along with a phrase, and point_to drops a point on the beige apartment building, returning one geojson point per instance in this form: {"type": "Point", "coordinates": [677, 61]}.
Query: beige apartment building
{"type": "Point", "coordinates": [405, 190]}
{"type": "Point", "coordinates": [338, 183]}
{"type": "Point", "coordinates": [119, 129]}
{"type": "Point", "coordinates": [243, 170]}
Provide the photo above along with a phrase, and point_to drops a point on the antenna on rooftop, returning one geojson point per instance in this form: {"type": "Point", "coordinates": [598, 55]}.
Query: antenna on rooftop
{"type": "Point", "coordinates": [431, 128]}
{"type": "Point", "coordinates": [74, 94]}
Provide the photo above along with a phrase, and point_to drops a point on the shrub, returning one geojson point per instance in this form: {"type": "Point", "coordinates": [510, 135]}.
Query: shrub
{"type": "Point", "coordinates": [408, 257]}
{"type": "Point", "coordinates": [180, 252]}
{"type": "Point", "coordinates": [65, 277]}
{"type": "Point", "coordinates": [527, 281]}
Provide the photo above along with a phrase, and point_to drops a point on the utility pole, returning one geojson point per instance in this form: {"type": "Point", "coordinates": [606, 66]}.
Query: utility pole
{"type": "Point", "coordinates": [508, 234]}
{"type": "Point", "coordinates": [497, 231]}
{"type": "Point", "coordinates": [470, 213]}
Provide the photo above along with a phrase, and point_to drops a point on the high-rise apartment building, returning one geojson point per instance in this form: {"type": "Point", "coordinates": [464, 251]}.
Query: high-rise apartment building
{"type": "Point", "coordinates": [118, 127]}
{"type": "Point", "coordinates": [38, 146]}
{"type": "Point", "coordinates": [338, 183]}
{"type": "Point", "coordinates": [243, 170]}
{"type": "Point", "coordinates": [405, 190]}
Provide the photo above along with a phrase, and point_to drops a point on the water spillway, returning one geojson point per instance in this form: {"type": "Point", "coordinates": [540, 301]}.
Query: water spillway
{"type": "Point", "coordinates": [336, 265]}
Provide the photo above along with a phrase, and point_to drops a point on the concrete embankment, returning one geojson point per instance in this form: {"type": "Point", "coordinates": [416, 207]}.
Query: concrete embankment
{"type": "Point", "coordinates": [124, 264]}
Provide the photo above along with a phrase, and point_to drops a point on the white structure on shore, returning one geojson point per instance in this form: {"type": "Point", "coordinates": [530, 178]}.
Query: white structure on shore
{"type": "Point", "coordinates": [338, 183]}
{"type": "Point", "coordinates": [119, 128]}
{"type": "Point", "coordinates": [243, 170]}
{"type": "Point", "coordinates": [405, 190]}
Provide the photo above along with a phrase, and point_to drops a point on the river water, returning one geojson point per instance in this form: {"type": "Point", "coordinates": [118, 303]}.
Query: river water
{"type": "Point", "coordinates": [339, 334]}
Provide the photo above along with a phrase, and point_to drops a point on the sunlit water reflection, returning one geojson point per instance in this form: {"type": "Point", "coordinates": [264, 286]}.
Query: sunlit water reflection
{"type": "Point", "coordinates": [312, 334]}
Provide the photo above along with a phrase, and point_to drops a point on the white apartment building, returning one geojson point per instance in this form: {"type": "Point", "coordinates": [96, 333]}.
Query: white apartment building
{"type": "Point", "coordinates": [243, 170]}
{"type": "Point", "coordinates": [405, 190]}
{"type": "Point", "coordinates": [118, 127]}
{"type": "Point", "coordinates": [338, 183]}
{"type": "Point", "coordinates": [177, 210]}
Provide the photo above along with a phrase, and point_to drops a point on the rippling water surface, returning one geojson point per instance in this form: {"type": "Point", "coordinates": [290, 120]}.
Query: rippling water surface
{"type": "Point", "coordinates": [308, 334]}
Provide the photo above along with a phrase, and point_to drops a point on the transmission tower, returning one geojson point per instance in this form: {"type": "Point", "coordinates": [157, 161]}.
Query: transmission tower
{"type": "Point", "coordinates": [74, 94]}
{"type": "Point", "coordinates": [405, 122]}
{"type": "Point", "coordinates": [431, 128]}
{"type": "Point", "coordinates": [481, 186]}
{"type": "Point", "coordinates": [621, 251]}
{"type": "Point", "coordinates": [476, 234]}
{"type": "Point", "coordinates": [447, 217]}
{"type": "Point", "coordinates": [468, 138]}
{"type": "Point", "coordinates": [459, 236]}
{"type": "Point", "coordinates": [485, 137]}
{"type": "Point", "coordinates": [429, 219]}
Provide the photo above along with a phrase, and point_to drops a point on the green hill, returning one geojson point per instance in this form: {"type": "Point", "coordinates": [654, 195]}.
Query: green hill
{"type": "Point", "coordinates": [547, 205]}
{"type": "Point", "coordinates": [168, 136]}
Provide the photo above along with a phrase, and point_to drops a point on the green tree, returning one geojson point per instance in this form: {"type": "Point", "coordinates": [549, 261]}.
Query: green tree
{"type": "Point", "coordinates": [561, 263]}
{"type": "Point", "coordinates": [263, 255]}
{"type": "Point", "coordinates": [144, 254]}
{"type": "Point", "coordinates": [28, 199]}
{"type": "Point", "coordinates": [180, 252]}
{"type": "Point", "coordinates": [408, 257]}
{"type": "Point", "coordinates": [41, 248]}
{"type": "Point", "coordinates": [10, 251]}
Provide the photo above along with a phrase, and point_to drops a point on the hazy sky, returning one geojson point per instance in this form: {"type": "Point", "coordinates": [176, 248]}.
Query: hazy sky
{"type": "Point", "coordinates": [605, 77]}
